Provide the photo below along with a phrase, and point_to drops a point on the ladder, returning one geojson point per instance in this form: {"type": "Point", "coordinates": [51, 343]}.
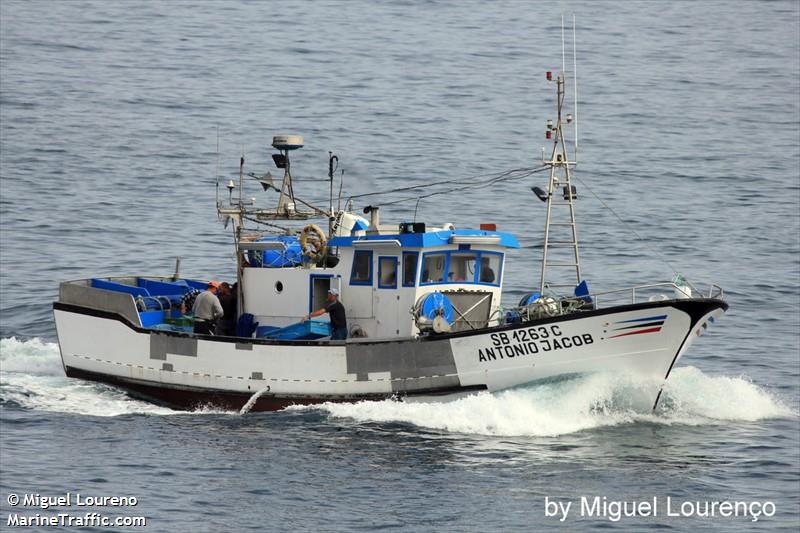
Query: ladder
{"type": "Point", "coordinates": [560, 249]}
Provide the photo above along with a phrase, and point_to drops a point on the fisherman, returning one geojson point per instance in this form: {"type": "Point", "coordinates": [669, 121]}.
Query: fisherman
{"type": "Point", "coordinates": [207, 309]}
{"type": "Point", "coordinates": [487, 274]}
{"type": "Point", "coordinates": [227, 298]}
{"type": "Point", "coordinates": [338, 318]}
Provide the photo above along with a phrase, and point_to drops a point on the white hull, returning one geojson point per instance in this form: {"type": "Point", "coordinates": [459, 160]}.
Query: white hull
{"type": "Point", "coordinates": [186, 370]}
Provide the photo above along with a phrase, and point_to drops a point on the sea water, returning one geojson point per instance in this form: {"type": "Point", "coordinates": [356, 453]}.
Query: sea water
{"type": "Point", "coordinates": [689, 162]}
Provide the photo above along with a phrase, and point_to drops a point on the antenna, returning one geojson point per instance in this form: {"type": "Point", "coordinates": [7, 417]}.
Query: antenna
{"type": "Point", "coordinates": [560, 248]}
{"type": "Point", "coordinates": [241, 179]}
{"type": "Point", "coordinates": [331, 159]}
{"type": "Point", "coordinates": [341, 185]}
{"type": "Point", "coordinates": [575, 92]}
{"type": "Point", "coordinates": [563, 53]}
{"type": "Point", "coordinates": [217, 171]}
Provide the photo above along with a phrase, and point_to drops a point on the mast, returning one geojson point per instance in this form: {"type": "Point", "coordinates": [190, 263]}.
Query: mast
{"type": "Point", "coordinates": [240, 210]}
{"type": "Point", "coordinates": [560, 248]}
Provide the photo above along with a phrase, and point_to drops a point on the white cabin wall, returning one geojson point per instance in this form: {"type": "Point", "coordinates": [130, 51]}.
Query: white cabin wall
{"type": "Point", "coordinates": [273, 308]}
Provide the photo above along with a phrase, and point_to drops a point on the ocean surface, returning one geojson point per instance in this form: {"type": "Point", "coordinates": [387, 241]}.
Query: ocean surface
{"type": "Point", "coordinates": [689, 124]}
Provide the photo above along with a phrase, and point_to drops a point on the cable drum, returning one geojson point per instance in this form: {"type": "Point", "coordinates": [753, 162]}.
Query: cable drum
{"type": "Point", "coordinates": [545, 306]}
{"type": "Point", "coordinates": [433, 312]}
{"type": "Point", "coordinates": [533, 305]}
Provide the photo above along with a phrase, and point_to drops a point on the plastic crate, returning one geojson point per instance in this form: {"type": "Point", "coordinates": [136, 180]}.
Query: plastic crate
{"type": "Point", "coordinates": [308, 330]}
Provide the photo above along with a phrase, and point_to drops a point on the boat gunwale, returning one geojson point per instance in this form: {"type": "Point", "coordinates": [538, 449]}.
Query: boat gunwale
{"type": "Point", "coordinates": [680, 304]}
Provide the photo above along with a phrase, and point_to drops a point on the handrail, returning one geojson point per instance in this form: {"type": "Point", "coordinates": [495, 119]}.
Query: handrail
{"type": "Point", "coordinates": [714, 291]}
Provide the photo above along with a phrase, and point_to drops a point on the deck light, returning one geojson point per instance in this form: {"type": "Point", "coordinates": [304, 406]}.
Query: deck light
{"type": "Point", "coordinates": [475, 239]}
{"type": "Point", "coordinates": [539, 193]}
{"type": "Point", "coordinates": [569, 118]}
{"type": "Point", "coordinates": [549, 124]}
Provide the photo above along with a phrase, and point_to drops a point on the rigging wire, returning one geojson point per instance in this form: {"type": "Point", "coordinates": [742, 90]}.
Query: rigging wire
{"type": "Point", "coordinates": [628, 225]}
{"type": "Point", "coordinates": [498, 179]}
{"type": "Point", "coordinates": [283, 229]}
{"type": "Point", "coordinates": [433, 184]}
{"type": "Point", "coordinates": [508, 175]}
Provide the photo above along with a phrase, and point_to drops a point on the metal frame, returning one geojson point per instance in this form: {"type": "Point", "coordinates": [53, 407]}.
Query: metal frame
{"type": "Point", "coordinates": [559, 159]}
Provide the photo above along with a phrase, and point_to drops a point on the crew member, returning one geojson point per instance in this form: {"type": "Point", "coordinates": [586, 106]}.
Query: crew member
{"type": "Point", "coordinates": [227, 298]}
{"type": "Point", "coordinates": [487, 274]}
{"type": "Point", "coordinates": [207, 309]}
{"type": "Point", "coordinates": [338, 318]}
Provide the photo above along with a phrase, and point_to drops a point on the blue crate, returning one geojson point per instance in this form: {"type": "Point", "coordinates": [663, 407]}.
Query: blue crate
{"type": "Point", "coordinates": [264, 331]}
{"type": "Point", "coordinates": [308, 330]}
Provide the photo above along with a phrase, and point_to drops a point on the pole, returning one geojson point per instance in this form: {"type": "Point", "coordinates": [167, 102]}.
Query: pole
{"type": "Point", "coordinates": [331, 157]}
{"type": "Point", "coordinates": [241, 179]}
{"type": "Point", "coordinates": [575, 79]}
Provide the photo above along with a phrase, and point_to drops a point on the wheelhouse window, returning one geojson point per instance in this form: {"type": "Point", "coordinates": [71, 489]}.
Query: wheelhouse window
{"type": "Point", "coordinates": [387, 272]}
{"type": "Point", "coordinates": [462, 268]}
{"type": "Point", "coordinates": [489, 269]}
{"type": "Point", "coordinates": [362, 268]}
{"type": "Point", "coordinates": [410, 268]}
{"type": "Point", "coordinates": [434, 268]}
{"type": "Point", "coordinates": [477, 266]}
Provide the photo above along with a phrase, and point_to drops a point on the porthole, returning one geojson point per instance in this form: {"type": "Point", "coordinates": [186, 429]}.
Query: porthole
{"type": "Point", "coordinates": [278, 287]}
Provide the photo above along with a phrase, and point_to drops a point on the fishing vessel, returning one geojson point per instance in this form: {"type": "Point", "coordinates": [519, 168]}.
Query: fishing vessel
{"type": "Point", "coordinates": [423, 304]}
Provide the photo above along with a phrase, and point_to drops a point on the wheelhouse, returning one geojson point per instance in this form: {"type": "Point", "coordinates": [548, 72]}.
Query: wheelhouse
{"type": "Point", "coordinates": [382, 273]}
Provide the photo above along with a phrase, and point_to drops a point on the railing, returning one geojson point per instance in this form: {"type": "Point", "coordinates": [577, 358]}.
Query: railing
{"type": "Point", "coordinates": [654, 292]}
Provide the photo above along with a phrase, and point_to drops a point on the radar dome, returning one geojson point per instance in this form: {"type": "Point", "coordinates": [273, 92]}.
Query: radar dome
{"type": "Point", "coordinates": [287, 142]}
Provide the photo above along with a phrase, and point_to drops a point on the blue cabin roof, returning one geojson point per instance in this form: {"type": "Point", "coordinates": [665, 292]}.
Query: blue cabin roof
{"type": "Point", "coordinates": [432, 238]}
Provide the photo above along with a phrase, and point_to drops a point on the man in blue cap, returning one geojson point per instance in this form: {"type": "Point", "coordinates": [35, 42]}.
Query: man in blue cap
{"type": "Point", "coordinates": [338, 318]}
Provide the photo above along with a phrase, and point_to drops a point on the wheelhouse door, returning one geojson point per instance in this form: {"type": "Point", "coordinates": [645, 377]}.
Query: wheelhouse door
{"type": "Point", "coordinates": [318, 291]}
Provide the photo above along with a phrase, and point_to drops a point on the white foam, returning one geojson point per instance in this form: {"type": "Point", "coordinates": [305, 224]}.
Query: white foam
{"type": "Point", "coordinates": [31, 357]}
{"type": "Point", "coordinates": [587, 402]}
{"type": "Point", "coordinates": [691, 396]}
{"type": "Point", "coordinates": [31, 375]}
{"type": "Point", "coordinates": [64, 395]}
